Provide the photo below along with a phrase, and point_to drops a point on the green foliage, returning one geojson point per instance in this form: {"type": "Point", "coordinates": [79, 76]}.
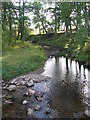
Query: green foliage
{"type": "Point", "coordinates": [5, 37]}
{"type": "Point", "coordinates": [79, 49]}
{"type": "Point", "coordinates": [21, 59]}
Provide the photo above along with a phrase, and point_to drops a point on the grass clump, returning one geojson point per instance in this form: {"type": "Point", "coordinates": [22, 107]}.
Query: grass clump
{"type": "Point", "coordinates": [21, 59]}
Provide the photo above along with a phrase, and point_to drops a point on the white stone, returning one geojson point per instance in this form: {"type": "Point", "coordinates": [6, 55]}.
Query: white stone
{"type": "Point", "coordinates": [29, 111]}
{"type": "Point", "coordinates": [24, 102]}
{"type": "Point", "coordinates": [11, 88]}
{"type": "Point", "coordinates": [87, 113]}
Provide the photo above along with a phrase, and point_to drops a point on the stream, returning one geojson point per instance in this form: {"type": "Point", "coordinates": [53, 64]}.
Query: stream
{"type": "Point", "coordinates": [69, 86]}
{"type": "Point", "coordinates": [67, 92]}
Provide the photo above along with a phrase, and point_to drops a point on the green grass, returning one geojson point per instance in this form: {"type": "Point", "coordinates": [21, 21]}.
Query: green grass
{"type": "Point", "coordinates": [21, 59]}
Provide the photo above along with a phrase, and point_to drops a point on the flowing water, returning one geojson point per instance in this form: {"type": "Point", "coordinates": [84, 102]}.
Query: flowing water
{"type": "Point", "coordinates": [69, 86]}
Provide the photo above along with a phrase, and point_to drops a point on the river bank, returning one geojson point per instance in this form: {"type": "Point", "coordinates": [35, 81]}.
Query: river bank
{"type": "Point", "coordinates": [66, 47]}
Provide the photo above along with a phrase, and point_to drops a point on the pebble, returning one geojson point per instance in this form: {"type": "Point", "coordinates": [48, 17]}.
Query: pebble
{"type": "Point", "coordinates": [5, 87]}
{"type": "Point", "coordinates": [11, 88]}
{"type": "Point", "coordinates": [27, 78]}
{"type": "Point", "coordinates": [13, 81]}
{"type": "Point", "coordinates": [8, 102]}
{"type": "Point", "coordinates": [88, 105]}
{"type": "Point", "coordinates": [29, 112]}
{"type": "Point", "coordinates": [26, 94]}
{"type": "Point", "coordinates": [3, 84]}
{"type": "Point", "coordinates": [37, 108]}
{"type": "Point", "coordinates": [1, 81]}
{"type": "Point", "coordinates": [48, 110]}
{"type": "Point", "coordinates": [36, 81]}
{"type": "Point", "coordinates": [30, 83]}
{"type": "Point", "coordinates": [24, 102]}
{"type": "Point", "coordinates": [38, 96]}
{"type": "Point", "coordinates": [87, 113]}
{"type": "Point", "coordinates": [39, 99]}
{"type": "Point", "coordinates": [31, 92]}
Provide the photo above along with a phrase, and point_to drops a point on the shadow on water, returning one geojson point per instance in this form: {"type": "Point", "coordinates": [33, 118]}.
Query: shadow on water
{"type": "Point", "coordinates": [68, 87]}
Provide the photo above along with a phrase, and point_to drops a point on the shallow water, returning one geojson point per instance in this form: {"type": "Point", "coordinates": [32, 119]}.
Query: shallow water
{"type": "Point", "coordinates": [66, 93]}
{"type": "Point", "coordinates": [69, 86]}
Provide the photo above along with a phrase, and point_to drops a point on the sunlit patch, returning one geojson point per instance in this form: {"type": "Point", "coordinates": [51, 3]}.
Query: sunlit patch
{"type": "Point", "coordinates": [49, 67]}
{"type": "Point", "coordinates": [62, 62]}
{"type": "Point", "coordinates": [73, 67]}
{"type": "Point", "coordinates": [77, 67]}
{"type": "Point", "coordinates": [69, 64]}
{"type": "Point", "coordinates": [86, 74]}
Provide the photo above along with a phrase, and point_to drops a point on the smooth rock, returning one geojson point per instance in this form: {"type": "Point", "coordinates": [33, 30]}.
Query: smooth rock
{"type": "Point", "coordinates": [1, 81]}
{"type": "Point", "coordinates": [20, 83]}
{"type": "Point", "coordinates": [11, 88]}
{"type": "Point", "coordinates": [48, 110]}
{"type": "Point", "coordinates": [31, 92]}
{"type": "Point", "coordinates": [8, 102]}
{"type": "Point", "coordinates": [24, 102]}
{"type": "Point", "coordinates": [30, 83]}
{"type": "Point", "coordinates": [27, 78]}
{"type": "Point", "coordinates": [5, 87]}
{"type": "Point", "coordinates": [3, 84]}
{"type": "Point", "coordinates": [38, 96]}
{"type": "Point", "coordinates": [29, 112]}
{"type": "Point", "coordinates": [13, 81]}
{"type": "Point", "coordinates": [23, 82]}
{"type": "Point", "coordinates": [23, 77]}
{"type": "Point", "coordinates": [89, 105]}
{"type": "Point", "coordinates": [36, 80]}
{"type": "Point", "coordinates": [39, 99]}
{"type": "Point", "coordinates": [26, 94]}
{"type": "Point", "coordinates": [37, 108]}
{"type": "Point", "coordinates": [87, 113]}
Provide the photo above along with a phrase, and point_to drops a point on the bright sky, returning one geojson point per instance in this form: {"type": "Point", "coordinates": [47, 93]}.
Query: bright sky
{"type": "Point", "coordinates": [30, 15]}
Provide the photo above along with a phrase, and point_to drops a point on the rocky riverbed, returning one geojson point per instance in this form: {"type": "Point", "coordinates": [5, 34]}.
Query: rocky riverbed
{"type": "Point", "coordinates": [27, 97]}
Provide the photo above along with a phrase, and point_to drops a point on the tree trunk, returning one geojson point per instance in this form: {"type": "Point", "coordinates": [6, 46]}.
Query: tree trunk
{"type": "Point", "coordinates": [55, 23]}
{"type": "Point", "coordinates": [88, 22]}
{"type": "Point", "coordinates": [71, 31]}
{"type": "Point", "coordinates": [4, 21]}
{"type": "Point", "coordinates": [44, 27]}
{"type": "Point", "coordinates": [86, 17]}
{"type": "Point", "coordinates": [10, 23]}
{"type": "Point", "coordinates": [15, 33]}
{"type": "Point", "coordinates": [10, 28]}
{"type": "Point", "coordinates": [66, 24]}
{"type": "Point", "coordinates": [20, 27]}
{"type": "Point", "coordinates": [23, 37]}
{"type": "Point", "coordinates": [39, 31]}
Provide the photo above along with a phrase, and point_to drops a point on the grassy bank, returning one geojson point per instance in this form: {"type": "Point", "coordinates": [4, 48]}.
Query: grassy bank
{"type": "Point", "coordinates": [21, 59]}
{"type": "Point", "coordinates": [77, 49]}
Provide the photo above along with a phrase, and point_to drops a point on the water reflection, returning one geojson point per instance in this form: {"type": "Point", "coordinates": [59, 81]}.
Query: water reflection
{"type": "Point", "coordinates": [68, 87]}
